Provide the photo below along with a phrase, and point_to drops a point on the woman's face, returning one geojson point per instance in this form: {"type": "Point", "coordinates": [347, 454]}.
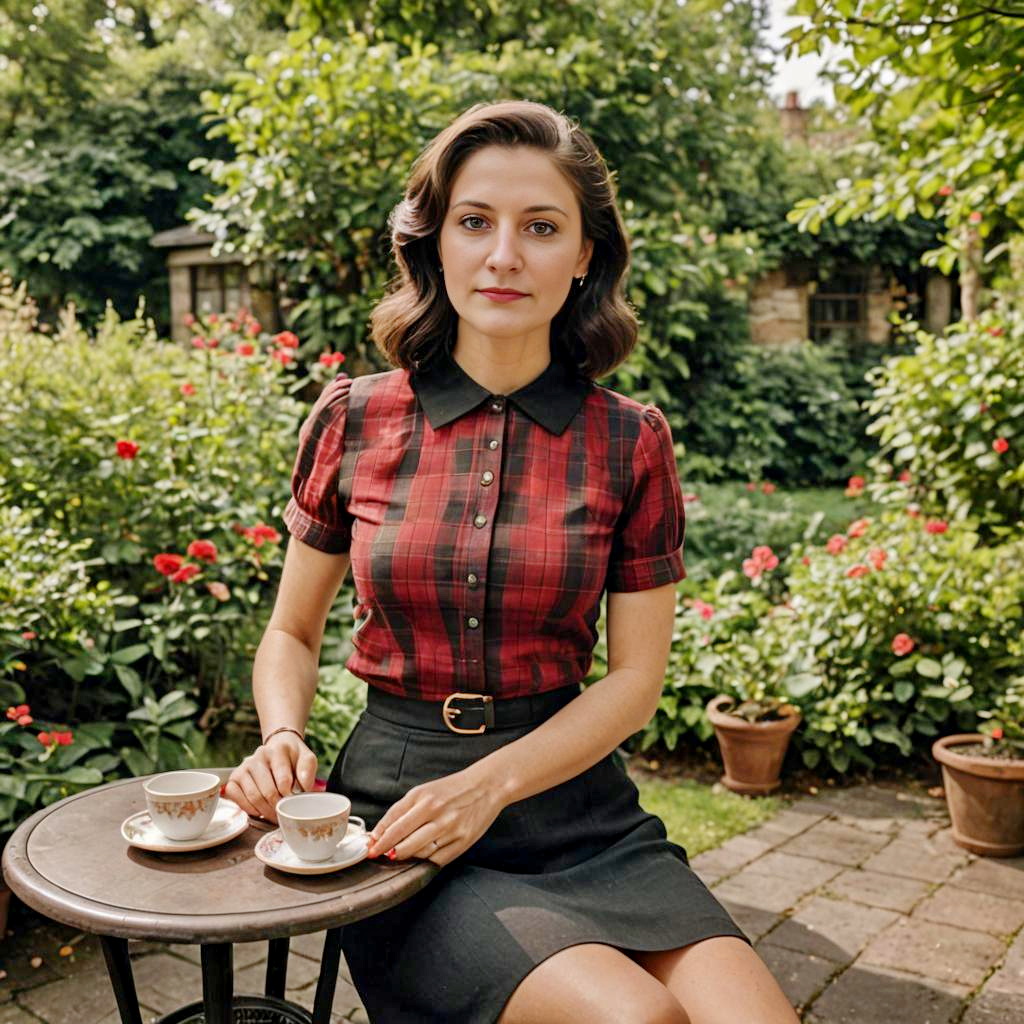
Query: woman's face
{"type": "Point", "coordinates": [513, 222]}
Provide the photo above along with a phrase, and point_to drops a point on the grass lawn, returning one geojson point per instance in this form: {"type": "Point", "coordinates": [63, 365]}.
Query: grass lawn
{"type": "Point", "coordinates": [699, 818]}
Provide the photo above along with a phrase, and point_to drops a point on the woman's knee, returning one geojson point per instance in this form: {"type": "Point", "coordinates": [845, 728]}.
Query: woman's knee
{"type": "Point", "coordinates": [592, 982]}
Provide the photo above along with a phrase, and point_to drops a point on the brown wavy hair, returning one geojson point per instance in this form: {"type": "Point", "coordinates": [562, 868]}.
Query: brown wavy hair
{"type": "Point", "coordinates": [596, 328]}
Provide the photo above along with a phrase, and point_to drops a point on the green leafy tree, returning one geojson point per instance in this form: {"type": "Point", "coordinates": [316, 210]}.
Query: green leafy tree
{"type": "Point", "coordinates": [941, 85]}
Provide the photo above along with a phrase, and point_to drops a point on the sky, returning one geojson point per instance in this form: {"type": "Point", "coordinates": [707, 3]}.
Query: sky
{"type": "Point", "coordinates": [800, 73]}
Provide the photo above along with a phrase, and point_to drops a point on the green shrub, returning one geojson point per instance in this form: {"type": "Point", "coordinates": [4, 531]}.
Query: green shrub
{"type": "Point", "coordinates": [951, 417]}
{"type": "Point", "coordinates": [915, 628]}
{"type": "Point", "coordinates": [790, 415]}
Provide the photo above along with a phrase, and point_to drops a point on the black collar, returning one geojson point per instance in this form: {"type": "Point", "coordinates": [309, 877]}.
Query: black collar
{"type": "Point", "coordinates": [447, 392]}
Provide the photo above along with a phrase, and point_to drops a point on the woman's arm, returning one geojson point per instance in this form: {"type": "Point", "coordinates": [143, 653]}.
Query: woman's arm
{"type": "Point", "coordinates": [456, 810]}
{"type": "Point", "coordinates": [284, 678]}
{"type": "Point", "coordinates": [605, 713]}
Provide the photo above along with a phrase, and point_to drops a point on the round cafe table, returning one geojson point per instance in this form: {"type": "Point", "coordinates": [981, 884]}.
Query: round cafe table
{"type": "Point", "coordinates": [69, 862]}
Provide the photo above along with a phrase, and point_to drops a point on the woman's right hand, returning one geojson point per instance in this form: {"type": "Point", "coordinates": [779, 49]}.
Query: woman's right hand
{"type": "Point", "coordinates": [270, 773]}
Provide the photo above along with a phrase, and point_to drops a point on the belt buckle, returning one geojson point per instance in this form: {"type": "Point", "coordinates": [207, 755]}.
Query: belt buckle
{"type": "Point", "coordinates": [447, 711]}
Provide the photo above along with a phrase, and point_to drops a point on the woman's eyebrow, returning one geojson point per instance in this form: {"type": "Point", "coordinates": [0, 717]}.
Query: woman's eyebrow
{"type": "Point", "coordinates": [528, 209]}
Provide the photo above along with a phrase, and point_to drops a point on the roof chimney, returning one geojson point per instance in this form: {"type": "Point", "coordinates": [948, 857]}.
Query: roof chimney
{"type": "Point", "coordinates": [793, 118]}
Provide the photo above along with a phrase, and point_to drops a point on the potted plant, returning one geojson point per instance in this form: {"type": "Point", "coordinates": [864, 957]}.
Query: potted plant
{"type": "Point", "coordinates": [983, 778]}
{"type": "Point", "coordinates": [759, 674]}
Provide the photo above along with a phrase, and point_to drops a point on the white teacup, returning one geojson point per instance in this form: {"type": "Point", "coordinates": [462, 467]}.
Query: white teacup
{"type": "Point", "coordinates": [314, 825]}
{"type": "Point", "coordinates": [182, 804]}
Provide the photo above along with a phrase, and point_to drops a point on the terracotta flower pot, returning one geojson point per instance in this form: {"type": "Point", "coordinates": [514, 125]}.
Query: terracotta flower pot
{"type": "Point", "coordinates": [752, 752]}
{"type": "Point", "coordinates": [985, 798]}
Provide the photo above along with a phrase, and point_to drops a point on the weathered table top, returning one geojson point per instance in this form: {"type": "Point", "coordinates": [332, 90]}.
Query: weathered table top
{"type": "Point", "coordinates": [70, 862]}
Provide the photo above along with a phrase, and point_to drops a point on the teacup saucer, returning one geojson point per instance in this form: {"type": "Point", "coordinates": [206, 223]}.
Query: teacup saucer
{"type": "Point", "coordinates": [275, 852]}
{"type": "Point", "coordinates": [229, 820]}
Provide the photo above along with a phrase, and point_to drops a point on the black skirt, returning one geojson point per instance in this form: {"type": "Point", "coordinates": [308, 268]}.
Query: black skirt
{"type": "Point", "coordinates": [580, 862]}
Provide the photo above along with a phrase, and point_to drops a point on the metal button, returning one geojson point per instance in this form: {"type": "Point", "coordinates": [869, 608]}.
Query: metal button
{"type": "Point", "coordinates": [492, 445]}
{"type": "Point", "coordinates": [480, 521]}
{"type": "Point", "coordinates": [498, 404]}
{"type": "Point", "coordinates": [472, 622]}
{"type": "Point", "coordinates": [472, 579]}
{"type": "Point", "coordinates": [486, 478]}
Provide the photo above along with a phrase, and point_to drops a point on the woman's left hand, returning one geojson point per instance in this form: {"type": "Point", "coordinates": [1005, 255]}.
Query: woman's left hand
{"type": "Point", "coordinates": [438, 820]}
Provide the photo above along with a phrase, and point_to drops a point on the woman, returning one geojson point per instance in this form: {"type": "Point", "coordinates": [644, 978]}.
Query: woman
{"type": "Point", "coordinates": [487, 493]}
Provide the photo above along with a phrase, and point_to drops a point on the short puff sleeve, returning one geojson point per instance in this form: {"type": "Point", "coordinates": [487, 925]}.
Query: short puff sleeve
{"type": "Point", "coordinates": [647, 548]}
{"type": "Point", "coordinates": [314, 514]}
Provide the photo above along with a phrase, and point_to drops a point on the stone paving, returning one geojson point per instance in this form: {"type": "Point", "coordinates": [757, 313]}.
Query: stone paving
{"type": "Point", "coordinates": [857, 899]}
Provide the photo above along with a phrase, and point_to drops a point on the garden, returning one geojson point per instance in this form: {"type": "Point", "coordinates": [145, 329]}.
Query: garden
{"type": "Point", "coordinates": [854, 510]}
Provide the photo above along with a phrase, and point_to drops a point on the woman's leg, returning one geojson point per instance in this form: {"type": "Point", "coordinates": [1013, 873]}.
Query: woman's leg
{"type": "Point", "coordinates": [594, 983]}
{"type": "Point", "coordinates": [720, 980]}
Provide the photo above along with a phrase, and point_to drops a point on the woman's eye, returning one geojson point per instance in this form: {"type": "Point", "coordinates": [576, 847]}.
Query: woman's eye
{"type": "Point", "coordinates": [472, 216]}
{"type": "Point", "coordinates": [544, 224]}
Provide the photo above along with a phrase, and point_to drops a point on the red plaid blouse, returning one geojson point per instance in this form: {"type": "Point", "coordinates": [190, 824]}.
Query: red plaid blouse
{"type": "Point", "coordinates": [483, 529]}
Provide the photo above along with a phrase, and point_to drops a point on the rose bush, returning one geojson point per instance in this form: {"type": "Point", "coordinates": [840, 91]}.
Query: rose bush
{"type": "Point", "coordinates": [951, 416]}
{"type": "Point", "coordinates": [139, 484]}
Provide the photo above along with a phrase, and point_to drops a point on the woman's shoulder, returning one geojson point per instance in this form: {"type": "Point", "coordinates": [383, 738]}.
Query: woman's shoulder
{"type": "Point", "coordinates": [628, 410]}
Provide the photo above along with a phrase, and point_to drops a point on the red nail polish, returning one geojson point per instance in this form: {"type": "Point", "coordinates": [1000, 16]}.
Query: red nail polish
{"type": "Point", "coordinates": [392, 853]}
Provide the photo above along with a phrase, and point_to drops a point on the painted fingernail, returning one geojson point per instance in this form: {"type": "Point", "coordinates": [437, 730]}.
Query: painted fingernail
{"type": "Point", "coordinates": [392, 853]}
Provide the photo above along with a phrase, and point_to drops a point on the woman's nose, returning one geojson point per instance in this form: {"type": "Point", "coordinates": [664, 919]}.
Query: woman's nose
{"type": "Point", "coordinates": [505, 252]}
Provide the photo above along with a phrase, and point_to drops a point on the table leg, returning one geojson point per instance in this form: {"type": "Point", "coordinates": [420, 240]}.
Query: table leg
{"type": "Point", "coordinates": [277, 967]}
{"type": "Point", "coordinates": [119, 967]}
{"type": "Point", "coordinates": [330, 961]}
{"type": "Point", "coordinates": [218, 982]}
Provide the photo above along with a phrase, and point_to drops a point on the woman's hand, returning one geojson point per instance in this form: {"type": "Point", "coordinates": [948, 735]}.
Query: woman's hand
{"type": "Point", "coordinates": [269, 773]}
{"type": "Point", "coordinates": [455, 811]}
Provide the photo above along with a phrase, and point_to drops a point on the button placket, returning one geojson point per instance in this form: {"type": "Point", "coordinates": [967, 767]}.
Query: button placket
{"type": "Point", "coordinates": [486, 473]}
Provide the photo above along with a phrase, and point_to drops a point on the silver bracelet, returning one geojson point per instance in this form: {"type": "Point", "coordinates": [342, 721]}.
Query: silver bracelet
{"type": "Point", "coordinates": [283, 728]}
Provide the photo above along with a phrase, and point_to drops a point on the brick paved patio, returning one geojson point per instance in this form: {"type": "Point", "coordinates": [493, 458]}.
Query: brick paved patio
{"type": "Point", "coordinates": [858, 900]}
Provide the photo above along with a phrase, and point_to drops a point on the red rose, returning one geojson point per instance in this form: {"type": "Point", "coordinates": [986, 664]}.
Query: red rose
{"type": "Point", "coordinates": [185, 573]}
{"type": "Point", "coordinates": [1000, 444]}
{"type": "Point", "coordinates": [188, 389]}
{"type": "Point", "coordinates": [936, 526]}
{"type": "Point", "coordinates": [751, 486]}
{"type": "Point", "coordinates": [45, 738]}
{"type": "Point", "coordinates": [127, 449]}
{"type": "Point", "coordinates": [213, 318]}
{"type": "Point", "coordinates": [997, 733]}
{"type": "Point", "coordinates": [219, 590]}
{"type": "Point", "coordinates": [198, 341]}
{"type": "Point", "coordinates": [167, 564]}
{"type": "Point", "coordinates": [996, 332]}
{"type": "Point", "coordinates": [331, 358]}
{"type": "Point", "coordinates": [858, 570]}
{"type": "Point", "coordinates": [767, 487]}
{"type": "Point", "coordinates": [65, 739]}
{"type": "Point", "coordinates": [806, 559]}
{"type": "Point", "coordinates": [902, 644]}
{"type": "Point", "coordinates": [904, 477]}
{"type": "Point", "coordinates": [975, 217]}
{"type": "Point", "coordinates": [286, 339]}
{"type": "Point", "coordinates": [835, 544]}
{"type": "Point", "coordinates": [254, 328]}
{"type": "Point", "coordinates": [259, 533]}
{"type": "Point", "coordinates": [855, 481]}
{"type": "Point", "coordinates": [858, 528]}
{"type": "Point", "coordinates": [245, 348]}
{"type": "Point", "coordinates": [204, 550]}
{"type": "Point", "coordinates": [28, 635]}
{"type": "Point", "coordinates": [24, 720]}
{"type": "Point", "coordinates": [945, 190]}
{"type": "Point", "coordinates": [877, 557]}
{"type": "Point", "coordinates": [188, 319]}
